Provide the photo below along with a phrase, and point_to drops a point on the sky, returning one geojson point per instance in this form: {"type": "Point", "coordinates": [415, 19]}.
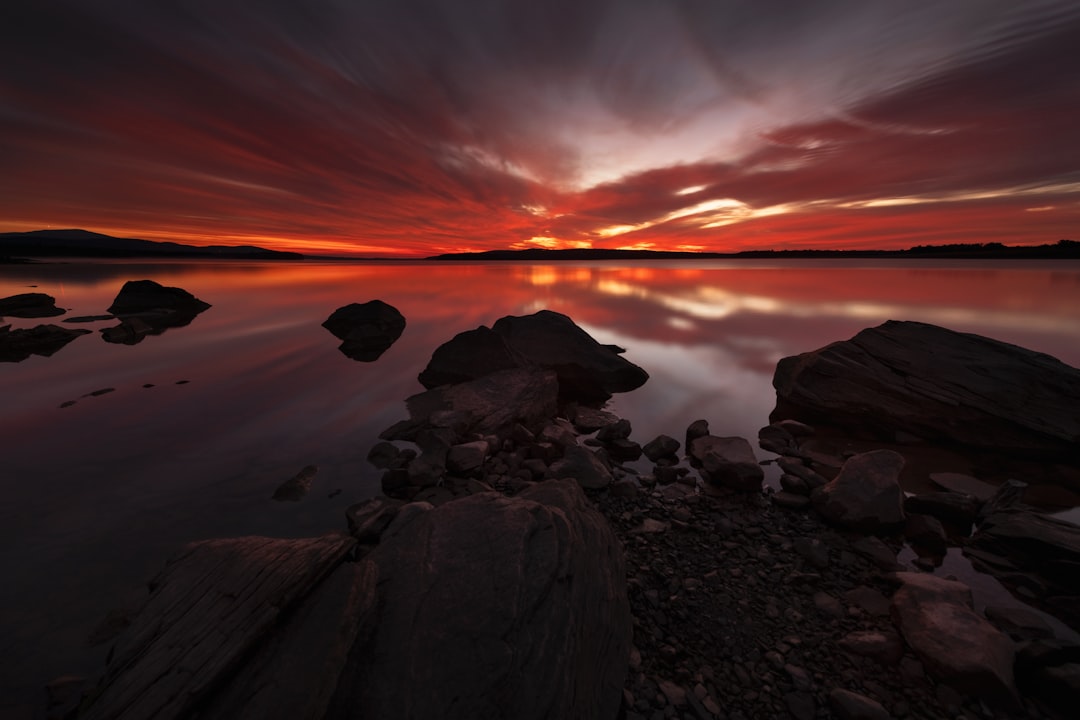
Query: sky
{"type": "Point", "coordinates": [418, 127]}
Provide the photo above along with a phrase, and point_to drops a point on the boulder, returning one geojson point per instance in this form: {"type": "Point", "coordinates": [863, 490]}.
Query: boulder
{"type": "Point", "coordinates": [366, 330]}
{"type": "Point", "coordinates": [587, 371]}
{"type": "Point", "coordinates": [466, 457]}
{"type": "Point", "coordinates": [930, 382]}
{"type": "Point", "coordinates": [926, 534]}
{"type": "Point", "coordinates": [582, 465]}
{"type": "Point", "coordinates": [1047, 550]}
{"type": "Point", "coordinates": [146, 308]}
{"type": "Point", "coordinates": [367, 520]}
{"type": "Point", "coordinates": [866, 494]}
{"type": "Point", "coordinates": [884, 647]}
{"type": "Point", "coordinates": [957, 510]}
{"type": "Point", "coordinates": [495, 607]}
{"type": "Point", "coordinates": [848, 705]}
{"type": "Point", "coordinates": [727, 462]}
{"type": "Point", "coordinates": [957, 645]}
{"type": "Point", "coordinates": [660, 447]}
{"type": "Point", "coordinates": [43, 340]}
{"type": "Point", "coordinates": [29, 305]}
{"type": "Point", "coordinates": [493, 404]}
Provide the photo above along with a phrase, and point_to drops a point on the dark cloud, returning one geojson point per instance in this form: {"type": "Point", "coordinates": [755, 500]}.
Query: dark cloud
{"type": "Point", "coordinates": [427, 125]}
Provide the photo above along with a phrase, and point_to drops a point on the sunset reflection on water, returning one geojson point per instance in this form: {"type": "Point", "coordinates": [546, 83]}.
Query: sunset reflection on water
{"type": "Point", "coordinates": [96, 495]}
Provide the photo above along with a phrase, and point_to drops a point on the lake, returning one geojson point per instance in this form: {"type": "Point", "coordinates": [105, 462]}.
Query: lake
{"type": "Point", "coordinates": [96, 495]}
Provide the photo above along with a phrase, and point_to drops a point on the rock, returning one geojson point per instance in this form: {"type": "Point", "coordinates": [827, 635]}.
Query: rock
{"type": "Point", "coordinates": [43, 340]}
{"type": "Point", "coordinates": [368, 520]}
{"type": "Point", "coordinates": [619, 430]}
{"type": "Point", "coordinates": [493, 404]}
{"type": "Point", "coordinates": [794, 466]}
{"type": "Point", "coordinates": [559, 433]}
{"type": "Point", "coordinates": [622, 451]}
{"type": "Point", "coordinates": [966, 484]}
{"type": "Point", "coordinates": [957, 510]}
{"type": "Point", "coordinates": [696, 429]}
{"type": "Point", "coordinates": [775, 439]}
{"type": "Point", "coordinates": [866, 494]}
{"type": "Point", "coordinates": [1020, 623]}
{"type": "Point", "coordinates": [88, 318]}
{"type": "Point", "coordinates": [675, 694]}
{"type": "Point", "coordinates": [1048, 551]}
{"type": "Point", "coordinates": [727, 462]}
{"type": "Point", "coordinates": [869, 600]}
{"type": "Point", "coordinates": [366, 330]}
{"type": "Point", "coordinates": [625, 488]}
{"type": "Point", "coordinates": [801, 705]}
{"type": "Point", "coordinates": [795, 485]}
{"type": "Point", "coordinates": [466, 457]}
{"type": "Point", "coordinates": [660, 447]}
{"type": "Point", "coordinates": [1050, 672]}
{"type": "Point", "coordinates": [847, 705]}
{"type": "Point", "coordinates": [384, 455]}
{"type": "Point", "coordinates": [926, 535]}
{"type": "Point", "coordinates": [958, 646]}
{"type": "Point", "coordinates": [482, 614]}
{"type": "Point", "coordinates": [29, 305]}
{"type": "Point", "coordinates": [146, 308]}
{"type": "Point", "coordinates": [587, 419]}
{"type": "Point", "coordinates": [650, 526]}
{"type": "Point", "coordinates": [875, 550]}
{"type": "Point", "coordinates": [931, 382]}
{"type": "Point", "coordinates": [296, 488]}
{"type": "Point", "coordinates": [827, 605]}
{"type": "Point", "coordinates": [813, 551]}
{"type": "Point", "coordinates": [884, 647]}
{"type": "Point", "coordinates": [587, 371]}
{"type": "Point", "coordinates": [582, 465]}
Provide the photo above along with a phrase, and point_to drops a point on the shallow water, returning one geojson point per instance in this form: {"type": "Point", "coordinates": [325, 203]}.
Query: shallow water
{"type": "Point", "coordinates": [96, 495]}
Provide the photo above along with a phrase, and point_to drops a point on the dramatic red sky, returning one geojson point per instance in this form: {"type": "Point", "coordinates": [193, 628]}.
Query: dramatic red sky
{"type": "Point", "coordinates": [415, 127]}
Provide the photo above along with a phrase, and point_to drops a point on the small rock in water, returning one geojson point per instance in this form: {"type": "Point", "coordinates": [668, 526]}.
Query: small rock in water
{"type": "Point", "coordinates": [295, 488]}
{"type": "Point", "coordinates": [148, 385]}
{"type": "Point", "coordinates": [99, 393]}
{"type": "Point", "coordinates": [182, 382]}
{"type": "Point", "coordinates": [67, 403]}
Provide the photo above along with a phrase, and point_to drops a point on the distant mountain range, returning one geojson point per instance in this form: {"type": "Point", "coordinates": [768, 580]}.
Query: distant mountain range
{"type": "Point", "coordinates": [1063, 249]}
{"type": "Point", "coordinates": [85, 244]}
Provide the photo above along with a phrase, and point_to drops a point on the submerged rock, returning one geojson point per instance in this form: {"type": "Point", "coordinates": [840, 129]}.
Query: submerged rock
{"type": "Point", "coordinates": [366, 330]}
{"type": "Point", "coordinates": [44, 340]}
{"type": "Point", "coordinates": [296, 488]}
{"type": "Point", "coordinates": [29, 305]}
{"type": "Point", "coordinates": [954, 388]}
{"type": "Point", "coordinates": [587, 371]}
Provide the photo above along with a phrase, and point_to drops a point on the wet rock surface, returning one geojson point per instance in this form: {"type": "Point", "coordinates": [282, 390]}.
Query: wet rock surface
{"type": "Point", "coordinates": [42, 340]}
{"type": "Point", "coordinates": [146, 308]}
{"type": "Point", "coordinates": [29, 305]}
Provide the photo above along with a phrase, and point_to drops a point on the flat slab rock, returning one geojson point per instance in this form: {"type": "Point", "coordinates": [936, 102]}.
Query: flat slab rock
{"type": "Point", "coordinates": [208, 608]}
{"type": "Point", "coordinates": [934, 383]}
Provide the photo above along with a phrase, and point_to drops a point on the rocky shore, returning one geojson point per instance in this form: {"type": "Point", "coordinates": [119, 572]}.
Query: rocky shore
{"type": "Point", "coordinates": [531, 558]}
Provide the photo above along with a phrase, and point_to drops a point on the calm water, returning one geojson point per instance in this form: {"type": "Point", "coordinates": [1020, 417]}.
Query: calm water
{"type": "Point", "coordinates": [94, 497]}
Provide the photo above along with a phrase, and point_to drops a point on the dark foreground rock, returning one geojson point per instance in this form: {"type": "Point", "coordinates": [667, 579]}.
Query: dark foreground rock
{"type": "Point", "coordinates": [366, 330]}
{"type": "Point", "coordinates": [29, 305]}
{"type": "Point", "coordinates": [44, 340]}
{"type": "Point", "coordinates": [486, 607]}
{"type": "Point", "coordinates": [587, 371]}
{"type": "Point", "coordinates": [931, 383]}
{"type": "Point", "coordinates": [145, 308]}
{"type": "Point", "coordinates": [866, 494]}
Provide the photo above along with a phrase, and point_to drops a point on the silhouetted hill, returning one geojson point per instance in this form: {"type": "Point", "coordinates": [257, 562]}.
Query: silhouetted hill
{"type": "Point", "coordinates": [1063, 249]}
{"type": "Point", "coordinates": [82, 243]}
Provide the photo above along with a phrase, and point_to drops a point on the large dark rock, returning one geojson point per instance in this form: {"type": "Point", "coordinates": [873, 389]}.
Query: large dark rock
{"type": "Point", "coordinates": [866, 494]}
{"type": "Point", "coordinates": [587, 371]}
{"type": "Point", "coordinates": [957, 645]}
{"type": "Point", "coordinates": [495, 607]}
{"type": "Point", "coordinates": [29, 305]}
{"type": "Point", "coordinates": [44, 340]}
{"type": "Point", "coordinates": [943, 386]}
{"type": "Point", "coordinates": [366, 330]}
{"type": "Point", "coordinates": [146, 308]}
{"type": "Point", "coordinates": [1039, 554]}
{"type": "Point", "coordinates": [727, 462]}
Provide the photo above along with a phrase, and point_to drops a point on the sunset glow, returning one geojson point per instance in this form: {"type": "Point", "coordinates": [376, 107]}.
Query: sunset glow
{"type": "Point", "coordinates": [376, 129]}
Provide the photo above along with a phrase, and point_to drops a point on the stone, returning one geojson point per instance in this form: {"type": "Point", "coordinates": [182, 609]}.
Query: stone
{"type": "Point", "coordinates": [146, 308]}
{"type": "Point", "coordinates": [675, 694]}
{"type": "Point", "coordinates": [619, 430]}
{"type": "Point", "coordinates": [368, 520]}
{"type": "Point", "coordinates": [466, 457]}
{"type": "Point", "coordinates": [587, 419]}
{"type": "Point", "coordinates": [790, 501]}
{"type": "Point", "coordinates": [966, 484]}
{"type": "Point", "coordinates": [794, 466]}
{"type": "Point", "coordinates": [866, 494]}
{"type": "Point", "coordinates": [961, 389]}
{"type": "Point", "coordinates": [660, 447]}
{"type": "Point", "coordinates": [794, 484]}
{"type": "Point", "coordinates": [884, 647]}
{"type": "Point", "coordinates": [384, 455]}
{"type": "Point", "coordinates": [482, 615]}
{"type": "Point", "coordinates": [625, 488]}
{"type": "Point", "coordinates": [728, 462]}
{"type": "Point", "coordinates": [29, 305]}
{"type": "Point", "coordinates": [926, 535]}
{"type": "Point", "coordinates": [1045, 548]}
{"type": "Point", "coordinates": [827, 605]}
{"type": "Point", "coordinates": [582, 465]}
{"type": "Point", "coordinates": [775, 439]}
{"type": "Point", "coordinates": [871, 601]}
{"type": "Point", "coordinates": [815, 552]}
{"type": "Point", "coordinates": [957, 510]}
{"type": "Point", "coordinates": [559, 433]}
{"type": "Point", "coordinates": [848, 705]}
{"type": "Point", "coordinates": [877, 552]}
{"type": "Point", "coordinates": [366, 330]}
{"type": "Point", "coordinates": [801, 705]}
{"type": "Point", "coordinates": [587, 371]}
{"type": "Point", "coordinates": [42, 340]}
{"type": "Point", "coordinates": [955, 644]}
{"type": "Point", "coordinates": [1020, 623]}
{"type": "Point", "coordinates": [296, 488]}
{"type": "Point", "coordinates": [493, 404]}
{"type": "Point", "coordinates": [623, 450]}
{"type": "Point", "coordinates": [696, 429]}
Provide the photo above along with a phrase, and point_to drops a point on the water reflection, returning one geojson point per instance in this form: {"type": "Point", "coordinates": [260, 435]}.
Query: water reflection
{"type": "Point", "coordinates": [96, 495]}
